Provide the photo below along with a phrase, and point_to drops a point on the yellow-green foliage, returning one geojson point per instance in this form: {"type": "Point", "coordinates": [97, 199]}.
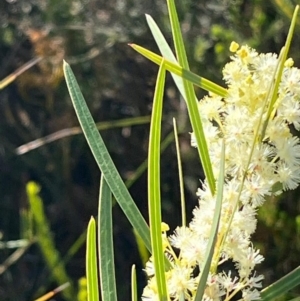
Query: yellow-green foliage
{"type": "Point", "coordinates": [45, 241]}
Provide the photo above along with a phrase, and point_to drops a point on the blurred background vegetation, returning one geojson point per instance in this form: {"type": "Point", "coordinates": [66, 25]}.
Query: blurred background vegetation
{"type": "Point", "coordinates": [117, 83]}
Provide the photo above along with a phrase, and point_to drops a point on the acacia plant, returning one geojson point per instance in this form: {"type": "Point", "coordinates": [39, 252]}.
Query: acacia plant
{"type": "Point", "coordinates": [243, 136]}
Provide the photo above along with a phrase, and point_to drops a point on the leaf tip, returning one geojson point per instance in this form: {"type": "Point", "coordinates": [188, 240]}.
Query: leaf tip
{"type": "Point", "coordinates": [65, 64]}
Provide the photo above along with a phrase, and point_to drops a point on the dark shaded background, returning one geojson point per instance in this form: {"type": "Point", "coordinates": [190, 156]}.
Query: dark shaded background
{"type": "Point", "coordinates": [92, 35]}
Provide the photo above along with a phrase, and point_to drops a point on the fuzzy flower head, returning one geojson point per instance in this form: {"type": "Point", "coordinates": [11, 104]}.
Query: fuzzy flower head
{"type": "Point", "coordinates": [261, 151]}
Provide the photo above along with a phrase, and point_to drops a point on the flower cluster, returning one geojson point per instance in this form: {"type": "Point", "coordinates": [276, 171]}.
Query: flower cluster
{"type": "Point", "coordinates": [261, 154]}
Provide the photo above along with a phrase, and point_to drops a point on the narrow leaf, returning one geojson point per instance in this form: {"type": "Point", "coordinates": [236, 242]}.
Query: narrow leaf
{"type": "Point", "coordinates": [154, 198]}
{"type": "Point", "coordinates": [104, 160]}
{"type": "Point", "coordinates": [177, 36]}
{"type": "Point", "coordinates": [279, 70]}
{"type": "Point", "coordinates": [105, 244]}
{"type": "Point", "coordinates": [180, 174]}
{"type": "Point", "coordinates": [91, 262]}
{"type": "Point", "coordinates": [193, 111]}
{"type": "Point", "coordinates": [281, 286]}
{"type": "Point", "coordinates": [45, 239]}
{"type": "Point", "coordinates": [210, 249]}
{"type": "Point", "coordinates": [195, 79]}
{"type": "Point", "coordinates": [192, 102]}
{"type": "Point", "coordinates": [134, 296]}
{"type": "Point", "coordinates": [166, 52]}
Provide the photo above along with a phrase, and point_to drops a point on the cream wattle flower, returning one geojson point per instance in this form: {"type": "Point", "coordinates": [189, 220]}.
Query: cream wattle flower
{"type": "Point", "coordinates": [275, 159]}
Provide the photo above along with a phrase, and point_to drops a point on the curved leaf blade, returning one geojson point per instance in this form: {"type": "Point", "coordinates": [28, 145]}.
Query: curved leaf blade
{"type": "Point", "coordinates": [154, 198]}
{"type": "Point", "coordinates": [104, 160]}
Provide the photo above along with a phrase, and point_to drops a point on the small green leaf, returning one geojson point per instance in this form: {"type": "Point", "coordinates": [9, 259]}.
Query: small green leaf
{"type": "Point", "coordinates": [91, 262]}
{"type": "Point", "coordinates": [134, 296]}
